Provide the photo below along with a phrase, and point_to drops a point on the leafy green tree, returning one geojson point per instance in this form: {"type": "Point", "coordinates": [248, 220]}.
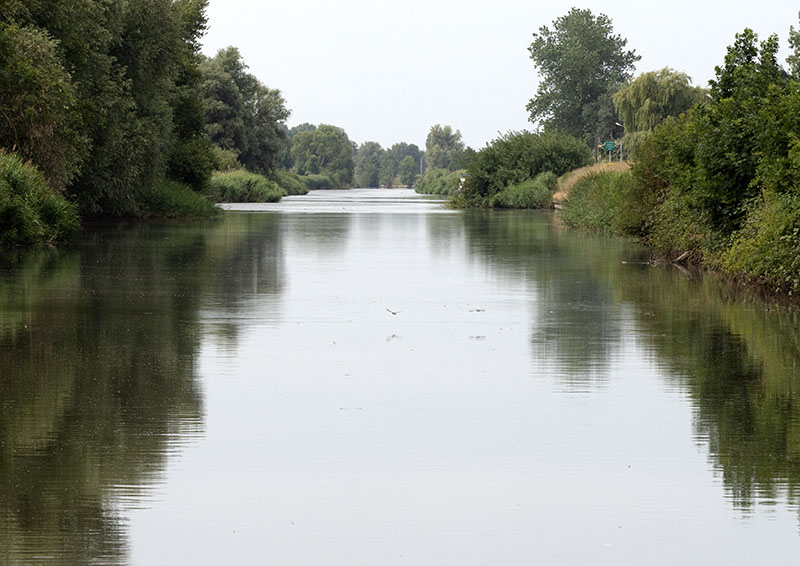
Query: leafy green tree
{"type": "Point", "coordinates": [402, 149]}
{"type": "Point", "coordinates": [794, 57]}
{"type": "Point", "coordinates": [580, 62]}
{"type": "Point", "coordinates": [326, 150]}
{"type": "Point", "coordinates": [38, 106]}
{"type": "Point", "coordinates": [368, 164]}
{"type": "Point", "coordinates": [408, 170]}
{"type": "Point", "coordinates": [242, 114]}
{"type": "Point", "coordinates": [653, 96]}
{"type": "Point", "coordinates": [388, 170]}
{"type": "Point", "coordinates": [443, 148]}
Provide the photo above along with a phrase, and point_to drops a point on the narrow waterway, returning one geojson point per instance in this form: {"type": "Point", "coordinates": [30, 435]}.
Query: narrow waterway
{"type": "Point", "coordinates": [366, 377]}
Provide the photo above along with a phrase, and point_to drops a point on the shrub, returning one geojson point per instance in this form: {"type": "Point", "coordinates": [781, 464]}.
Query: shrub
{"type": "Point", "coordinates": [290, 182]}
{"type": "Point", "coordinates": [533, 193]}
{"type": "Point", "coordinates": [766, 248]}
{"type": "Point", "coordinates": [30, 211]}
{"type": "Point", "coordinates": [243, 186]}
{"type": "Point", "coordinates": [439, 182]}
{"type": "Point", "coordinates": [171, 199]}
{"type": "Point", "coordinates": [517, 157]}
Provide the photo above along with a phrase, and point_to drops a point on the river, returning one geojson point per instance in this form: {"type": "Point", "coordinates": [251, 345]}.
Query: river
{"type": "Point", "coordinates": [367, 377]}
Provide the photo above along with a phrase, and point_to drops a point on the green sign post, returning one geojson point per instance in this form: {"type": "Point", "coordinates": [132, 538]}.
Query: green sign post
{"type": "Point", "coordinates": [610, 145]}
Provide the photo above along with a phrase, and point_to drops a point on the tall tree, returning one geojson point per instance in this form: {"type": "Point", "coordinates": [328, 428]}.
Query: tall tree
{"type": "Point", "coordinates": [443, 148]}
{"type": "Point", "coordinates": [242, 114]}
{"type": "Point", "coordinates": [368, 164]}
{"type": "Point", "coordinates": [388, 169]}
{"type": "Point", "coordinates": [580, 62]}
{"type": "Point", "coordinates": [402, 149]}
{"type": "Point", "coordinates": [408, 171]}
{"type": "Point", "coordinates": [326, 150]}
{"type": "Point", "coordinates": [653, 96]}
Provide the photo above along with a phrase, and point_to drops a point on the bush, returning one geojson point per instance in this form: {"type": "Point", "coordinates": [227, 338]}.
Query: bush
{"type": "Point", "coordinates": [30, 211]}
{"type": "Point", "coordinates": [290, 182]}
{"type": "Point", "coordinates": [439, 182]}
{"type": "Point", "coordinates": [243, 186]}
{"type": "Point", "coordinates": [171, 199]}
{"type": "Point", "coordinates": [518, 157]}
{"type": "Point", "coordinates": [533, 193]}
{"type": "Point", "coordinates": [766, 249]}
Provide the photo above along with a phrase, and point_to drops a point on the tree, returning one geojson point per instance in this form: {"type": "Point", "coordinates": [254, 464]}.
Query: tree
{"type": "Point", "coordinates": [38, 106]}
{"type": "Point", "coordinates": [408, 171]}
{"type": "Point", "coordinates": [242, 114]}
{"type": "Point", "coordinates": [388, 170]}
{"type": "Point", "coordinates": [653, 96]}
{"type": "Point", "coordinates": [443, 148]}
{"type": "Point", "coordinates": [326, 150]}
{"type": "Point", "coordinates": [368, 164]}
{"type": "Point", "coordinates": [402, 149]}
{"type": "Point", "coordinates": [580, 63]}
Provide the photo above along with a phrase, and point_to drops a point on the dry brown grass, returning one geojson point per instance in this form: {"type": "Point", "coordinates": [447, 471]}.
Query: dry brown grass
{"type": "Point", "coordinates": [568, 180]}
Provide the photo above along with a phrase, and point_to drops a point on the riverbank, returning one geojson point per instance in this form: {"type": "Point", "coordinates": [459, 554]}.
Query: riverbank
{"type": "Point", "coordinates": [760, 256]}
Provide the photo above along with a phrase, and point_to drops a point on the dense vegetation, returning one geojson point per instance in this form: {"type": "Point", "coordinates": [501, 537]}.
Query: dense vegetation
{"type": "Point", "coordinates": [518, 157]}
{"type": "Point", "coordinates": [721, 183]}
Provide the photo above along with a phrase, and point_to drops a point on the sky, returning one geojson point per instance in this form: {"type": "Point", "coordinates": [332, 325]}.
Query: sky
{"type": "Point", "coordinates": [388, 71]}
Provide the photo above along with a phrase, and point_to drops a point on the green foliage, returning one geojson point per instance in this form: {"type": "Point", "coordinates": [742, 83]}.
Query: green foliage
{"type": "Point", "coordinates": [171, 199]}
{"type": "Point", "coordinates": [766, 248]}
{"type": "Point", "coordinates": [439, 182]}
{"type": "Point", "coordinates": [30, 211]}
{"type": "Point", "coordinates": [38, 117]}
{"type": "Point", "coordinates": [517, 157]}
{"type": "Point", "coordinates": [444, 148]}
{"type": "Point", "coordinates": [408, 171]}
{"type": "Point", "coordinates": [647, 100]}
{"type": "Point", "coordinates": [609, 201]}
{"type": "Point", "coordinates": [368, 160]}
{"type": "Point", "coordinates": [241, 113]}
{"type": "Point", "coordinates": [290, 182]}
{"type": "Point", "coordinates": [325, 150]}
{"type": "Point", "coordinates": [580, 63]}
{"type": "Point", "coordinates": [402, 150]}
{"type": "Point", "coordinates": [533, 193]}
{"type": "Point", "coordinates": [314, 182]}
{"type": "Point", "coordinates": [243, 186]}
{"type": "Point", "coordinates": [389, 166]}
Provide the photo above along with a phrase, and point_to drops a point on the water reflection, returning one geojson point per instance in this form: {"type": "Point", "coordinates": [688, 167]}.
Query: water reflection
{"type": "Point", "coordinates": [97, 375]}
{"type": "Point", "coordinates": [327, 411]}
{"type": "Point", "coordinates": [736, 358]}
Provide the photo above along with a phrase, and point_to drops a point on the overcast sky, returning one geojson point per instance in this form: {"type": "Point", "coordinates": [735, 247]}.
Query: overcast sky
{"type": "Point", "coordinates": [388, 71]}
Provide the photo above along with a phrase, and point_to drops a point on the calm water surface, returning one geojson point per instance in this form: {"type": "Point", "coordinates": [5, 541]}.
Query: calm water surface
{"type": "Point", "coordinates": [366, 377]}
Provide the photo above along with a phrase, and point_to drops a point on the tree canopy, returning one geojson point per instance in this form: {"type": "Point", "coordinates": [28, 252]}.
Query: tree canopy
{"type": "Point", "coordinates": [325, 150]}
{"type": "Point", "coordinates": [241, 113]}
{"type": "Point", "coordinates": [444, 148]}
{"type": "Point", "coordinates": [649, 98]}
{"type": "Point", "coordinates": [580, 63]}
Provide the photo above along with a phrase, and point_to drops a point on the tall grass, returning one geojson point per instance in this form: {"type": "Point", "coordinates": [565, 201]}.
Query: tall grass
{"type": "Point", "coordinates": [31, 212]}
{"type": "Point", "coordinates": [170, 199]}
{"type": "Point", "coordinates": [243, 186]}
{"type": "Point", "coordinates": [608, 201]}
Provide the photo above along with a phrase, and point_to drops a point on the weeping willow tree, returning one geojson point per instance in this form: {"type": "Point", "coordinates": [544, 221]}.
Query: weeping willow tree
{"type": "Point", "coordinates": [647, 100]}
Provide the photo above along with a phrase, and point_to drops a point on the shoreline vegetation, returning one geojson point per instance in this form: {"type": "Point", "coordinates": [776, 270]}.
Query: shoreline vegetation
{"type": "Point", "coordinates": [91, 130]}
